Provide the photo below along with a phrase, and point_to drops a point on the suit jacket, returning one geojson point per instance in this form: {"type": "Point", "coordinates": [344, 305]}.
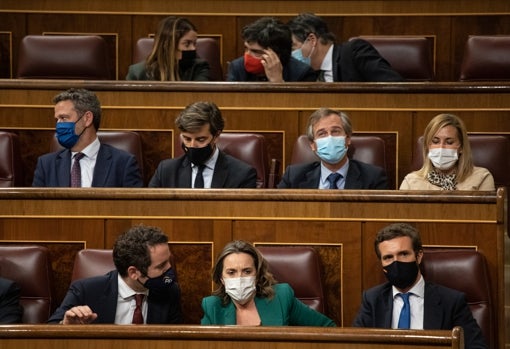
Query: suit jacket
{"type": "Point", "coordinates": [359, 176]}
{"type": "Point", "coordinates": [282, 310]}
{"type": "Point", "coordinates": [294, 70]}
{"type": "Point", "coordinates": [444, 308]}
{"type": "Point", "coordinates": [359, 61]}
{"type": "Point", "coordinates": [199, 71]}
{"type": "Point", "coordinates": [114, 168]}
{"type": "Point", "coordinates": [100, 294]}
{"type": "Point", "coordinates": [10, 309]}
{"type": "Point", "coordinates": [229, 172]}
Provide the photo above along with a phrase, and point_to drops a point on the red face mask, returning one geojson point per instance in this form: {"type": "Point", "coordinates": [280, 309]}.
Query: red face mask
{"type": "Point", "coordinates": [252, 64]}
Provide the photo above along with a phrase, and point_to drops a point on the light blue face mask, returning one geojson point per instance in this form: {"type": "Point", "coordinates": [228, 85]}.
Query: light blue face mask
{"type": "Point", "coordinates": [331, 149]}
{"type": "Point", "coordinates": [298, 54]}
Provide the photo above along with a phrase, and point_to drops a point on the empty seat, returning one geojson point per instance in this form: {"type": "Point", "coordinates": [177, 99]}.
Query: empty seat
{"type": "Point", "coordinates": [298, 266]}
{"type": "Point", "coordinates": [248, 147]}
{"type": "Point", "coordinates": [486, 57]}
{"type": "Point", "coordinates": [489, 151]}
{"type": "Point", "coordinates": [125, 140]}
{"type": "Point", "coordinates": [30, 267]}
{"type": "Point", "coordinates": [368, 149]}
{"type": "Point", "coordinates": [11, 166]}
{"type": "Point", "coordinates": [411, 56]}
{"type": "Point", "coordinates": [207, 49]}
{"type": "Point", "coordinates": [94, 262]}
{"type": "Point", "coordinates": [465, 271]}
{"type": "Point", "coordinates": [63, 57]}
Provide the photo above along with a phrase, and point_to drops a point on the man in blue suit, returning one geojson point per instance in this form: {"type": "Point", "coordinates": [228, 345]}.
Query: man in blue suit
{"type": "Point", "coordinates": [407, 301]}
{"type": "Point", "coordinates": [142, 289]}
{"type": "Point", "coordinates": [78, 115]}
{"type": "Point", "coordinates": [329, 132]}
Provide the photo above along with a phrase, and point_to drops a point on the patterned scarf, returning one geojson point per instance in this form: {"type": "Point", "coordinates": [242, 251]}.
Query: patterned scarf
{"type": "Point", "coordinates": [445, 181]}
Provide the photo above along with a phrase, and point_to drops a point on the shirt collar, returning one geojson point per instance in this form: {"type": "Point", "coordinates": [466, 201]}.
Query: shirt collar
{"type": "Point", "coordinates": [90, 150]}
{"type": "Point", "coordinates": [325, 172]}
{"type": "Point", "coordinates": [125, 291]}
{"type": "Point", "coordinates": [211, 163]}
{"type": "Point", "coordinates": [327, 62]}
{"type": "Point", "coordinates": [418, 289]}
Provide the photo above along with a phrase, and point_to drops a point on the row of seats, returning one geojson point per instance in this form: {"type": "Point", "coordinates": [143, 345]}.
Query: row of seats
{"type": "Point", "coordinates": [85, 57]}
{"type": "Point", "coordinates": [489, 151]}
{"type": "Point", "coordinates": [464, 270]}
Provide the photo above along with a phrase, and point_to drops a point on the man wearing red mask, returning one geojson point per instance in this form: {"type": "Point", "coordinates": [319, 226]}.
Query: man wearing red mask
{"type": "Point", "coordinates": [267, 57]}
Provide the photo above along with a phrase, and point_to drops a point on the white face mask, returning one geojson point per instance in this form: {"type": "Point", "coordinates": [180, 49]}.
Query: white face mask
{"type": "Point", "coordinates": [443, 158]}
{"type": "Point", "coordinates": [240, 289]}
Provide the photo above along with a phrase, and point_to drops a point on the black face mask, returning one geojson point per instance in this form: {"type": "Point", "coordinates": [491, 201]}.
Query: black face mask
{"type": "Point", "coordinates": [401, 274]}
{"type": "Point", "coordinates": [162, 283]}
{"type": "Point", "coordinates": [187, 60]}
{"type": "Point", "coordinates": [198, 156]}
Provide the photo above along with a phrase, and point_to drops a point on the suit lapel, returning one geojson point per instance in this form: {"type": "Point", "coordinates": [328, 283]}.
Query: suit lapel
{"type": "Point", "coordinates": [353, 175]}
{"type": "Point", "coordinates": [63, 163]}
{"type": "Point", "coordinates": [220, 173]}
{"type": "Point", "coordinates": [184, 175]}
{"type": "Point", "coordinates": [433, 312]}
{"type": "Point", "coordinates": [312, 178]}
{"type": "Point", "coordinates": [386, 304]}
{"type": "Point", "coordinates": [102, 167]}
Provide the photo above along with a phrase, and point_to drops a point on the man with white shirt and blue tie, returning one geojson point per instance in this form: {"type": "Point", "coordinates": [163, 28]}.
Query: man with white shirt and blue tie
{"type": "Point", "coordinates": [407, 301]}
{"type": "Point", "coordinates": [329, 133]}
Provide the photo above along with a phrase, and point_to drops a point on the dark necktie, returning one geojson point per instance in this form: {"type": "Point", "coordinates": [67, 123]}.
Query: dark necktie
{"type": "Point", "coordinates": [76, 171]}
{"type": "Point", "coordinates": [404, 321]}
{"type": "Point", "coordinates": [333, 179]}
{"type": "Point", "coordinates": [137, 315]}
{"type": "Point", "coordinates": [199, 179]}
{"type": "Point", "coordinates": [321, 77]}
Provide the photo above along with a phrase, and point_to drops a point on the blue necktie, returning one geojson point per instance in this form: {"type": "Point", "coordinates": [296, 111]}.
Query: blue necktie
{"type": "Point", "coordinates": [332, 179]}
{"type": "Point", "coordinates": [404, 321]}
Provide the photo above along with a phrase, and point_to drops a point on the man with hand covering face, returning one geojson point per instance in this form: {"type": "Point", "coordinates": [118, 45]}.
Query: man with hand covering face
{"type": "Point", "coordinates": [203, 165]}
{"type": "Point", "coordinates": [141, 290]}
{"type": "Point", "coordinates": [407, 301]}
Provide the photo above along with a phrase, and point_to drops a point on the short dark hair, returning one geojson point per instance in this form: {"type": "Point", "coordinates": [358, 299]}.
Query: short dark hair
{"type": "Point", "coordinates": [83, 101]}
{"type": "Point", "coordinates": [264, 279]}
{"type": "Point", "coordinates": [397, 230]}
{"type": "Point", "coordinates": [307, 23]}
{"type": "Point", "coordinates": [198, 114]}
{"type": "Point", "coordinates": [132, 248]}
{"type": "Point", "coordinates": [272, 33]}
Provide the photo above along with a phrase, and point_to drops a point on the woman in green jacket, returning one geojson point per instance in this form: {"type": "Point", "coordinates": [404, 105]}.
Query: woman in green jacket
{"type": "Point", "coordinates": [248, 295]}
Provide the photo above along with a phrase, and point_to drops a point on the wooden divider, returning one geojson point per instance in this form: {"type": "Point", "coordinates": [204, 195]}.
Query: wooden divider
{"type": "Point", "coordinates": [218, 337]}
{"type": "Point", "coordinates": [340, 226]}
{"type": "Point", "coordinates": [397, 112]}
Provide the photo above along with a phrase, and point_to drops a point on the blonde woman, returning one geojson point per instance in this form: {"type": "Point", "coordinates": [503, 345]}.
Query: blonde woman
{"type": "Point", "coordinates": [447, 159]}
{"type": "Point", "coordinates": [174, 55]}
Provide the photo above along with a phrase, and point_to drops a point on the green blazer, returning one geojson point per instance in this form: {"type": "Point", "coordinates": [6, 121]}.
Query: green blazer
{"type": "Point", "coordinates": [282, 310]}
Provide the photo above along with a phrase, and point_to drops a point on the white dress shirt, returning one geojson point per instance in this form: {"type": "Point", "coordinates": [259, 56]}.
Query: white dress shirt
{"type": "Point", "coordinates": [126, 304]}
{"type": "Point", "coordinates": [416, 302]}
{"type": "Point", "coordinates": [87, 163]}
{"type": "Point", "coordinates": [208, 171]}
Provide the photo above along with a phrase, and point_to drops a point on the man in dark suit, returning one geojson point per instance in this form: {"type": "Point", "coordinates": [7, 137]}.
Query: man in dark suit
{"type": "Point", "coordinates": [142, 289]}
{"type": "Point", "coordinates": [268, 46]}
{"type": "Point", "coordinates": [406, 301]}
{"type": "Point", "coordinates": [10, 309]}
{"type": "Point", "coordinates": [354, 61]}
{"type": "Point", "coordinates": [90, 163]}
{"type": "Point", "coordinates": [329, 132]}
{"type": "Point", "coordinates": [203, 165]}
